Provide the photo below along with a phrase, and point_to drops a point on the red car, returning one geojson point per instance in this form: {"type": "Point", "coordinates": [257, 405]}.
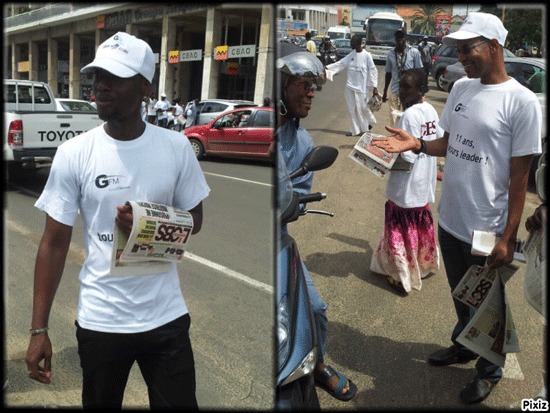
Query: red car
{"type": "Point", "coordinates": [244, 132]}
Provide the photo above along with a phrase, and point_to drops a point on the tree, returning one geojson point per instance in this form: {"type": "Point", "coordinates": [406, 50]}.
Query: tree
{"type": "Point", "coordinates": [524, 24]}
{"type": "Point", "coordinates": [423, 20]}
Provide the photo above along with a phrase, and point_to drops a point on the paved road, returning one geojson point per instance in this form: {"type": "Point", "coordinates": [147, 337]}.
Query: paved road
{"type": "Point", "coordinates": [381, 340]}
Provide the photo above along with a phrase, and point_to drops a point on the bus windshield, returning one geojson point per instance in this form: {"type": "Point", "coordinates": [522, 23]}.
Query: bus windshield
{"type": "Point", "coordinates": [382, 31]}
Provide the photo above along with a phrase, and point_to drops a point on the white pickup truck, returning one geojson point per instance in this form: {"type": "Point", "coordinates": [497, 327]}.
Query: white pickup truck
{"type": "Point", "coordinates": [34, 128]}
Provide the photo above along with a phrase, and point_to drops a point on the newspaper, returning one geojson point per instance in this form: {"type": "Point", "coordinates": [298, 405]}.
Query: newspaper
{"type": "Point", "coordinates": [483, 243]}
{"type": "Point", "coordinates": [534, 283]}
{"type": "Point", "coordinates": [375, 159]}
{"type": "Point", "coordinates": [491, 332]}
{"type": "Point", "coordinates": [158, 237]}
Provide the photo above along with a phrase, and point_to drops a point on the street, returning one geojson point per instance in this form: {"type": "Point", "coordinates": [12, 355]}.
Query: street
{"type": "Point", "coordinates": [226, 281]}
{"type": "Point", "coordinates": [379, 339]}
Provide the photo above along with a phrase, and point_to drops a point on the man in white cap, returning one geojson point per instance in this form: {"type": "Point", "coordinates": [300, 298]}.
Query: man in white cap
{"type": "Point", "coordinates": [492, 130]}
{"type": "Point", "coordinates": [162, 106]}
{"type": "Point", "coordinates": [128, 318]}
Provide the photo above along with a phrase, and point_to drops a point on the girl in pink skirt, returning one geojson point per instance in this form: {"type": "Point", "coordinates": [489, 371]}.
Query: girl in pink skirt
{"type": "Point", "coordinates": [408, 249]}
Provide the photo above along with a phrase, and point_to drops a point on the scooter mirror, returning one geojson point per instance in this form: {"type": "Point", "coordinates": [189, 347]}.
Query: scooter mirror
{"type": "Point", "coordinates": [320, 157]}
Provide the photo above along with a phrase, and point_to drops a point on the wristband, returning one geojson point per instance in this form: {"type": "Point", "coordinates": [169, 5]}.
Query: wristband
{"type": "Point", "coordinates": [36, 331]}
{"type": "Point", "coordinates": [422, 147]}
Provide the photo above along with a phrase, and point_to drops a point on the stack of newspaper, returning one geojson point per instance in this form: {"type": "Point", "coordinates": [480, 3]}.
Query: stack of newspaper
{"type": "Point", "coordinates": [491, 332]}
{"type": "Point", "coordinates": [377, 160]}
{"type": "Point", "coordinates": [159, 236]}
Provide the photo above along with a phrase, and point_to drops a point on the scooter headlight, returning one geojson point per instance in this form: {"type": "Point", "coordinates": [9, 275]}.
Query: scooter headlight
{"type": "Point", "coordinates": [283, 327]}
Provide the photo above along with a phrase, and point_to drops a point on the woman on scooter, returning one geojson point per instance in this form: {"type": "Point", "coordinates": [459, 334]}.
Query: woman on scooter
{"type": "Point", "coordinates": [300, 73]}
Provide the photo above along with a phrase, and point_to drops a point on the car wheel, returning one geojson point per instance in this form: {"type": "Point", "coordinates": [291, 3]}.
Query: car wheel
{"type": "Point", "coordinates": [197, 148]}
{"type": "Point", "coordinates": [438, 80]}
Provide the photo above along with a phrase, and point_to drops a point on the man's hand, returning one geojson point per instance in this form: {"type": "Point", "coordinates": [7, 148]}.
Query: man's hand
{"type": "Point", "coordinates": [502, 254]}
{"type": "Point", "coordinates": [400, 141]}
{"type": "Point", "coordinates": [40, 348]}
{"type": "Point", "coordinates": [125, 218]}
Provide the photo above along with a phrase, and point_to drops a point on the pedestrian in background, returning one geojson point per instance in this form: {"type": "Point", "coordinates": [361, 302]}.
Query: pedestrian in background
{"type": "Point", "coordinates": [161, 107]}
{"type": "Point", "coordinates": [408, 249]}
{"type": "Point", "coordinates": [492, 130]}
{"type": "Point", "coordinates": [310, 44]}
{"type": "Point", "coordinates": [177, 112]}
{"type": "Point", "coordinates": [301, 74]}
{"type": "Point", "coordinates": [151, 111]}
{"type": "Point", "coordinates": [426, 52]}
{"type": "Point", "coordinates": [402, 57]}
{"type": "Point", "coordinates": [121, 319]}
{"type": "Point", "coordinates": [362, 78]}
{"type": "Point", "coordinates": [191, 115]}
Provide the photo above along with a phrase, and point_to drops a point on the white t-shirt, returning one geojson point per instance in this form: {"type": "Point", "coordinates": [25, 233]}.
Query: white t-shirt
{"type": "Point", "coordinates": [164, 105]}
{"type": "Point", "coordinates": [93, 173]}
{"type": "Point", "coordinates": [416, 188]}
{"type": "Point", "coordinates": [487, 125]}
{"type": "Point", "coordinates": [362, 72]}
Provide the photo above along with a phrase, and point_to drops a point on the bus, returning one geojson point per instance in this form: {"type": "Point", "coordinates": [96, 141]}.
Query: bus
{"type": "Point", "coordinates": [380, 31]}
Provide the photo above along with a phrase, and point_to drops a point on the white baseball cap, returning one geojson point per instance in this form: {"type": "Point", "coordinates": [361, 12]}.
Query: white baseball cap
{"type": "Point", "coordinates": [163, 95]}
{"type": "Point", "coordinates": [124, 56]}
{"type": "Point", "coordinates": [478, 24]}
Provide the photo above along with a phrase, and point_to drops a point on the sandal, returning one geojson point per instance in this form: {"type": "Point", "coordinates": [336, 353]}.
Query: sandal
{"type": "Point", "coordinates": [322, 379]}
{"type": "Point", "coordinates": [396, 285]}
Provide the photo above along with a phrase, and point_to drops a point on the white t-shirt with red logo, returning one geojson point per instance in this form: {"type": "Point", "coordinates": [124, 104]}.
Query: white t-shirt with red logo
{"type": "Point", "coordinates": [416, 188]}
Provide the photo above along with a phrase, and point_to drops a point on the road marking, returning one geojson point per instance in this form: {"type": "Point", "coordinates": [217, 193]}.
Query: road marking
{"type": "Point", "coordinates": [234, 274]}
{"type": "Point", "coordinates": [13, 226]}
{"type": "Point", "coordinates": [238, 179]}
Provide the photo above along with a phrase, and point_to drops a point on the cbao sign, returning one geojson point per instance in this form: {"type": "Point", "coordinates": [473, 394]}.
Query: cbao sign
{"type": "Point", "coordinates": [190, 55]}
{"type": "Point", "coordinates": [248, 50]}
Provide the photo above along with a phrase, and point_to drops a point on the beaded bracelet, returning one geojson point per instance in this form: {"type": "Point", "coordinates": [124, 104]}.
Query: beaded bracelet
{"type": "Point", "coordinates": [36, 331]}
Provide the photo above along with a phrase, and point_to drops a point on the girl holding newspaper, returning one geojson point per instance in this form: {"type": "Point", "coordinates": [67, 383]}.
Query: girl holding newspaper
{"type": "Point", "coordinates": [408, 249]}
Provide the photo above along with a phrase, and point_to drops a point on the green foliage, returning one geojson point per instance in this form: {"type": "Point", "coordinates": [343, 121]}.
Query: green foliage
{"type": "Point", "coordinates": [523, 22]}
{"type": "Point", "coordinates": [423, 20]}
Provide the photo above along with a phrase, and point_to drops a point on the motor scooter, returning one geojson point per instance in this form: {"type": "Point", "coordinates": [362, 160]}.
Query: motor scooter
{"type": "Point", "coordinates": [296, 329]}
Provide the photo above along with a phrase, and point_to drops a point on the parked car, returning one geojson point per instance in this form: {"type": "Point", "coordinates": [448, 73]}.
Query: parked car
{"type": "Point", "coordinates": [208, 109]}
{"type": "Point", "coordinates": [447, 55]}
{"type": "Point", "coordinates": [520, 68]}
{"type": "Point", "coordinates": [246, 132]}
{"type": "Point", "coordinates": [343, 47]}
{"type": "Point", "coordinates": [74, 105]}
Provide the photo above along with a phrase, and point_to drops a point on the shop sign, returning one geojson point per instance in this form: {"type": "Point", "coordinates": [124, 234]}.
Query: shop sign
{"type": "Point", "coordinates": [220, 52]}
{"type": "Point", "coordinates": [173, 56]}
{"type": "Point", "coordinates": [232, 69]}
{"type": "Point", "coordinates": [190, 55]}
{"type": "Point", "coordinates": [248, 50]}
{"type": "Point", "coordinates": [23, 66]}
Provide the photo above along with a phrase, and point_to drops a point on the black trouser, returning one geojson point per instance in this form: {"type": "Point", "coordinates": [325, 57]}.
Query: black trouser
{"type": "Point", "coordinates": [164, 356]}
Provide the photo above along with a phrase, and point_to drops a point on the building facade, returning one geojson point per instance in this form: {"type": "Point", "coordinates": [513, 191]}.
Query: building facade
{"type": "Point", "coordinates": [203, 50]}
